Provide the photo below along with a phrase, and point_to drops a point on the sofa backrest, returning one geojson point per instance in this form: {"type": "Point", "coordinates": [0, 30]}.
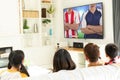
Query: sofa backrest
{"type": "Point", "coordinates": [109, 72]}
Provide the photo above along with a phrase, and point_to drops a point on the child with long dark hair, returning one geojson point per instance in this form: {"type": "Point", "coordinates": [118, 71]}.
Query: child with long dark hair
{"type": "Point", "coordinates": [16, 68]}
{"type": "Point", "coordinates": [21, 53]}
{"type": "Point", "coordinates": [62, 61]}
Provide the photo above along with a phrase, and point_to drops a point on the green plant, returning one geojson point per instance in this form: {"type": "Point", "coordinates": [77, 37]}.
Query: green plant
{"type": "Point", "coordinates": [51, 9]}
{"type": "Point", "coordinates": [46, 21]}
{"type": "Point", "coordinates": [25, 26]}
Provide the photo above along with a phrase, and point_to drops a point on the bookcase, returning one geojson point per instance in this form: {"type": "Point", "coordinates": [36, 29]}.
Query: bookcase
{"type": "Point", "coordinates": [40, 15]}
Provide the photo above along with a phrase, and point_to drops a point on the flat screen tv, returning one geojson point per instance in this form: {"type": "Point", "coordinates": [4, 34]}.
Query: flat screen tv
{"type": "Point", "coordinates": [4, 53]}
{"type": "Point", "coordinates": [84, 22]}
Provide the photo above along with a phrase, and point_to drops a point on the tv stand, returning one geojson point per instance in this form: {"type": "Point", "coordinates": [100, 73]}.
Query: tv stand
{"type": "Point", "coordinates": [77, 56]}
{"type": "Point", "coordinates": [70, 48]}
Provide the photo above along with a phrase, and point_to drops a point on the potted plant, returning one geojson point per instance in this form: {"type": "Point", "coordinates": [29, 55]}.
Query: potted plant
{"type": "Point", "coordinates": [51, 10]}
{"type": "Point", "coordinates": [25, 26]}
{"type": "Point", "coordinates": [46, 27]}
{"type": "Point", "coordinates": [46, 21]}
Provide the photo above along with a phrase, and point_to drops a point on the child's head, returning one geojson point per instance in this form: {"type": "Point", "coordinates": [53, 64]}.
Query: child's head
{"type": "Point", "coordinates": [63, 61]}
{"type": "Point", "coordinates": [111, 50]}
{"type": "Point", "coordinates": [92, 52]}
{"type": "Point", "coordinates": [16, 58]}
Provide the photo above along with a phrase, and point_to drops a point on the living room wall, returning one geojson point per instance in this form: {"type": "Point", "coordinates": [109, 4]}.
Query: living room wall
{"type": "Point", "coordinates": [9, 24]}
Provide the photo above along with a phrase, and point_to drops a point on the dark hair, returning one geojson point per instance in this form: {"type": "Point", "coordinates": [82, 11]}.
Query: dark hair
{"type": "Point", "coordinates": [111, 50]}
{"type": "Point", "coordinates": [15, 59]}
{"type": "Point", "coordinates": [92, 52]}
{"type": "Point", "coordinates": [62, 61]}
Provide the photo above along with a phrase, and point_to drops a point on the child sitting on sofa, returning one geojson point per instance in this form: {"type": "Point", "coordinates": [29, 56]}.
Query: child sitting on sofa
{"type": "Point", "coordinates": [14, 71]}
{"type": "Point", "coordinates": [62, 61]}
{"type": "Point", "coordinates": [92, 54]}
{"type": "Point", "coordinates": [23, 68]}
{"type": "Point", "coordinates": [111, 51]}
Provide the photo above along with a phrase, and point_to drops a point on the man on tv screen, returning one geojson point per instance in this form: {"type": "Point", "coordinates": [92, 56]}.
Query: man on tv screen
{"type": "Point", "coordinates": [71, 23]}
{"type": "Point", "coordinates": [92, 23]}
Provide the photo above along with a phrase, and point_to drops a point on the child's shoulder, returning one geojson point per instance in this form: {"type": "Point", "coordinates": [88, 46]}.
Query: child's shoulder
{"type": "Point", "coordinates": [23, 75]}
{"type": "Point", "coordinates": [3, 70]}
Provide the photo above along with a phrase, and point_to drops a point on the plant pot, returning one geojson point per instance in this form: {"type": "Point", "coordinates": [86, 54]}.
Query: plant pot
{"type": "Point", "coordinates": [25, 30]}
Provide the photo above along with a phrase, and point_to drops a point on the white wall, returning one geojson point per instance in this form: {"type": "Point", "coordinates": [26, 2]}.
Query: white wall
{"type": "Point", "coordinates": [108, 21]}
{"type": "Point", "coordinates": [8, 23]}
{"type": "Point", "coordinates": [42, 56]}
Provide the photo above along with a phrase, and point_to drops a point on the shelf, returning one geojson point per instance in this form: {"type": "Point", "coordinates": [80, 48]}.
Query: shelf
{"type": "Point", "coordinates": [30, 14]}
{"type": "Point", "coordinates": [74, 49]}
{"type": "Point", "coordinates": [32, 34]}
{"type": "Point", "coordinates": [47, 3]}
{"type": "Point", "coordinates": [30, 9]}
{"type": "Point", "coordinates": [29, 18]}
{"type": "Point", "coordinates": [47, 18]}
{"type": "Point", "coordinates": [35, 13]}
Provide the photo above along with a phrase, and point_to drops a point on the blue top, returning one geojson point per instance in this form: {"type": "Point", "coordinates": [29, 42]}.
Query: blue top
{"type": "Point", "coordinates": [93, 19]}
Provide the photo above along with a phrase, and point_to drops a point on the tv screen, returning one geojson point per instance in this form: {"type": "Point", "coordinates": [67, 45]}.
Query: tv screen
{"type": "Point", "coordinates": [4, 53]}
{"type": "Point", "coordinates": [84, 22]}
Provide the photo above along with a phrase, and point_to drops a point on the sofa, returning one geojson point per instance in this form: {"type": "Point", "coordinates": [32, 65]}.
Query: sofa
{"type": "Point", "coordinates": [106, 72]}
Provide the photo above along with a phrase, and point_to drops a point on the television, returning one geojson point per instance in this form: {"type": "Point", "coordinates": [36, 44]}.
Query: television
{"type": "Point", "coordinates": [4, 53]}
{"type": "Point", "coordinates": [84, 22]}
